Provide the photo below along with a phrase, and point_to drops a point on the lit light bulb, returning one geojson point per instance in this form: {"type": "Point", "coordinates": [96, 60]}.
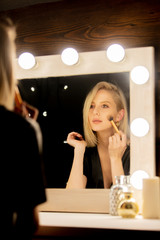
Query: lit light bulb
{"type": "Point", "coordinates": [26, 60]}
{"type": "Point", "coordinates": [115, 53]}
{"type": "Point", "coordinates": [139, 127]}
{"type": "Point", "coordinates": [137, 179]}
{"type": "Point", "coordinates": [69, 56]}
{"type": "Point", "coordinates": [139, 75]}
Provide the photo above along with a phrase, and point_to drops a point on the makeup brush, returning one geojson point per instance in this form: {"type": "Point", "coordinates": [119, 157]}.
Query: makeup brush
{"type": "Point", "coordinates": [114, 125]}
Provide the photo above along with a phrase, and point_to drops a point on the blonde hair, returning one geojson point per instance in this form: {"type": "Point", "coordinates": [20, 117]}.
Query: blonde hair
{"type": "Point", "coordinates": [119, 99]}
{"type": "Point", "coordinates": [7, 52]}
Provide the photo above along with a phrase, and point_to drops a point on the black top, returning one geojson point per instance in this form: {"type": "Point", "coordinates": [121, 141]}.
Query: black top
{"type": "Point", "coordinates": [22, 184]}
{"type": "Point", "coordinates": [92, 167]}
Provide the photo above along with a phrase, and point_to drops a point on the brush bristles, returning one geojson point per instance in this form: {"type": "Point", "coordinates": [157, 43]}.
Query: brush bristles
{"type": "Point", "coordinates": [111, 118]}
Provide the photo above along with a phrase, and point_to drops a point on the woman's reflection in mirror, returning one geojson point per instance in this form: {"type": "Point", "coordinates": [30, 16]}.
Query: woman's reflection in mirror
{"type": "Point", "coordinates": [103, 153]}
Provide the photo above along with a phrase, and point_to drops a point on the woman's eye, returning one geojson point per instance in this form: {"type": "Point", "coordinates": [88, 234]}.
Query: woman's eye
{"type": "Point", "coordinates": [105, 106]}
{"type": "Point", "coordinates": [92, 106]}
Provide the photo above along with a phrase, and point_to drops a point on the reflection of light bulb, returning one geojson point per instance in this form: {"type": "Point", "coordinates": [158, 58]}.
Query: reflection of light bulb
{"type": "Point", "coordinates": [140, 75]}
{"type": "Point", "coordinates": [45, 113]}
{"type": "Point", "coordinates": [32, 89]}
{"type": "Point", "coordinates": [139, 127]}
{"type": "Point", "coordinates": [115, 53]}
{"type": "Point", "coordinates": [69, 56]}
{"type": "Point", "coordinates": [26, 60]}
{"type": "Point", "coordinates": [137, 179]}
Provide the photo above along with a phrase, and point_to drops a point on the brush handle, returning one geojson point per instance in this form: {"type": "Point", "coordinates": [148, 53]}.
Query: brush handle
{"type": "Point", "coordinates": [115, 127]}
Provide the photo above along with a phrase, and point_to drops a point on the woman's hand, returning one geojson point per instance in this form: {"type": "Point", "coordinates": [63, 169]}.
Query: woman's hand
{"type": "Point", "coordinates": [76, 140]}
{"type": "Point", "coordinates": [117, 146]}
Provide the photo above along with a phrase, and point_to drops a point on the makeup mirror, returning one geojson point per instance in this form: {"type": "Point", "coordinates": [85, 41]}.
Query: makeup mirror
{"type": "Point", "coordinates": [142, 105]}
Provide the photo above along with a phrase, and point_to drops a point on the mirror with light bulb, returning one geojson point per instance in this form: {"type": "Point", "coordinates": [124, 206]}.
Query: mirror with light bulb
{"type": "Point", "coordinates": [58, 90]}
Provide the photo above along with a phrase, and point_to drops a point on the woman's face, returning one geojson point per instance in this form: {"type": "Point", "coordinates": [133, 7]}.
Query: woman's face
{"type": "Point", "coordinates": [102, 108]}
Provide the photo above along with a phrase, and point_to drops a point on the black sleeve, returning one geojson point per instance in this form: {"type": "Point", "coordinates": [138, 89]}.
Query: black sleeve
{"type": "Point", "coordinates": [31, 169]}
{"type": "Point", "coordinates": [23, 185]}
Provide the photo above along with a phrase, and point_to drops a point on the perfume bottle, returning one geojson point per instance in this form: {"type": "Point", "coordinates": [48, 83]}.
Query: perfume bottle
{"type": "Point", "coordinates": [127, 206]}
{"type": "Point", "coordinates": [122, 184]}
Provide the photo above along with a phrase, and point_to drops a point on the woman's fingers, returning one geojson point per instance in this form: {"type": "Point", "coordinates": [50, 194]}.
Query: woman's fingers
{"type": "Point", "coordinates": [75, 135]}
{"type": "Point", "coordinates": [75, 139]}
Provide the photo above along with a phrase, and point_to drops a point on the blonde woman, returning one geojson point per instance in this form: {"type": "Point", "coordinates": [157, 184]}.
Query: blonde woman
{"type": "Point", "coordinates": [22, 185]}
{"type": "Point", "coordinates": [104, 153]}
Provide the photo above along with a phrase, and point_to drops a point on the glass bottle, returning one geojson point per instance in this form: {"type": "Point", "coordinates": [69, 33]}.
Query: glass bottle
{"type": "Point", "coordinates": [122, 184]}
{"type": "Point", "coordinates": [127, 207]}
{"type": "Point", "coordinates": [126, 181]}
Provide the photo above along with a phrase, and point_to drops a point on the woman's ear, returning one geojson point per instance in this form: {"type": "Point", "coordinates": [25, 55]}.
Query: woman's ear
{"type": "Point", "coordinates": [120, 115]}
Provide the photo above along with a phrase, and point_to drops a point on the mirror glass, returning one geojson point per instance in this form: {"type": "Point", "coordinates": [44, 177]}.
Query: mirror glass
{"type": "Point", "coordinates": [60, 103]}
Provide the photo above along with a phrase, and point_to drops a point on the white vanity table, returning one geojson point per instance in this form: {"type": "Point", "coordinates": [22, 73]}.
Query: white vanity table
{"type": "Point", "coordinates": [53, 224]}
{"type": "Point", "coordinates": [91, 220]}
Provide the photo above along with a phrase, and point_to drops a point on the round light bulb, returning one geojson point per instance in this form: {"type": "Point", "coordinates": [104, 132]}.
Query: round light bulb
{"type": "Point", "coordinates": [69, 56]}
{"type": "Point", "coordinates": [139, 75]}
{"type": "Point", "coordinates": [115, 53]}
{"type": "Point", "coordinates": [139, 127]}
{"type": "Point", "coordinates": [26, 60]}
{"type": "Point", "coordinates": [137, 179]}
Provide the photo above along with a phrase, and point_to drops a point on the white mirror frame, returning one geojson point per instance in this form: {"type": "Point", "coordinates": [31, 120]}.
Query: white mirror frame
{"type": "Point", "coordinates": [142, 97]}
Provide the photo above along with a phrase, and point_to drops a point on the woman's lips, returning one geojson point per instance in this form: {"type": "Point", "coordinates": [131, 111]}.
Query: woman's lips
{"type": "Point", "coordinates": [96, 121]}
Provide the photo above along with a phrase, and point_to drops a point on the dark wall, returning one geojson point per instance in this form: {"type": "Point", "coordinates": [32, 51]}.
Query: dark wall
{"type": "Point", "coordinates": [87, 25]}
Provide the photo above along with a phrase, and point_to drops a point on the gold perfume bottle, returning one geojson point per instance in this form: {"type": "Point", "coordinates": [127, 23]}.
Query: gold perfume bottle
{"type": "Point", "coordinates": [127, 206]}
